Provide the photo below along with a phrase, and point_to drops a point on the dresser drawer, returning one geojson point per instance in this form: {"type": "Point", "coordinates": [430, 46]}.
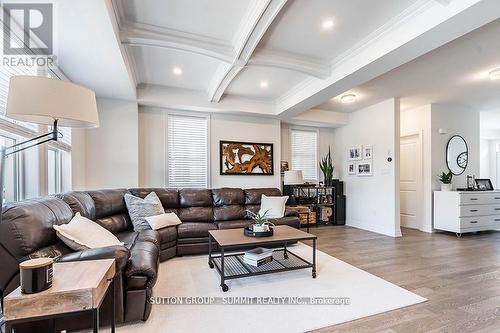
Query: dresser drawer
{"type": "Point", "coordinates": [478, 210]}
{"type": "Point", "coordinates": [479, 198]}
{"type": "Point", "coordinates": [480, 221]}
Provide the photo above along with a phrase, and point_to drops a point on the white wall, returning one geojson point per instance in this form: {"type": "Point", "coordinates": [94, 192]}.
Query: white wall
{"type": "Point", "coordinates": [249, 129]}
{"type": "Point", "coordinates": [112, 150]}
{"type": "Point", "coordinates": [152, 143]}
{"type": "Point", "coordinates": [455, 120]}
{"type": "Point", "coordinates": [372, 202]}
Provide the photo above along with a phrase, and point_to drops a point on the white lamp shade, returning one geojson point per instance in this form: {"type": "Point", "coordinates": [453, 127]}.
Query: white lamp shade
{"type": "Point", "coordinates": [293, 177]}
{"type": "Point", "coordinates": [42, 100]}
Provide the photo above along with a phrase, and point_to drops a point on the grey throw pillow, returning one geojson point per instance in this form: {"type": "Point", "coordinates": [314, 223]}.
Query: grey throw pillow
{"type": "Point", "coordinates": [139, 209]}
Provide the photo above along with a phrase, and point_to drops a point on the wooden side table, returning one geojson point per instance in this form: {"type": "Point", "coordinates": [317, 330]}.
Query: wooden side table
{"type": "Point", "coordinates": [77, 287]}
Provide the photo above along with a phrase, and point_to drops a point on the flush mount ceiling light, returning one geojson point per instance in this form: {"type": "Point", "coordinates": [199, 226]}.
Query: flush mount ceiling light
{"type": "Point", "coordinates": [177, 70]}
{"type": "Point", "coordinates": [495, 74]}
{"type": "Point", "coordinates": [327, 24]}
{"type": "Point", "coordinates": [348, 98]}
{"type": "Point", "coordinates": [264, 84]}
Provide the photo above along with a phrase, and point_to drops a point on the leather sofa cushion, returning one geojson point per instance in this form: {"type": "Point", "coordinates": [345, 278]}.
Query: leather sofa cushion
{"type": "Point", "coordinates": [168, 245]}
{"type": "Point", "coordinates": [195, 240]}
{"type": "Point", "coordinates": [228, 196]}
{"type": "Point", "coordinates": [167, 234]}
{"type": "Point", "coordinates": [116, 223]}
{"type": "Point", "coordinates": [232, 212]}
{"type": "Point", "coordinates": [196, 214]}
{"type": "Point", "coordinates": [169, 197]}
{"type": "Point", "coordinates": [52, 251]}
{"type": "Point", "coordinates": [253, 196]}
{"type": "Point", "coordinates": [195, 198]}
{"type": "Point", "coordinates": [27, 225]}
{"type": "Point", "coordinates": [80, 202]}
{"type": "Point", "coordinates": [233, 224]}
{"type": "Point", "coordinates": [109, 202]}
{"type": "Point", "coordinates": [193, 229]}
{"type": "Point", "coordinates": [149, 236]}
{"type": "Point", "coordinates": [120, 253]}
{"type": "Point", "coordinates": [144, 260]}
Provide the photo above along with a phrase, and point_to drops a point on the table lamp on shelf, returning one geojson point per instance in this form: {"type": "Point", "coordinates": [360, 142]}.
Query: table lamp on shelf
{"type": "Point", "coordinates": [46, 101]}
{"type": "Point", "coordinates": [292, 178]}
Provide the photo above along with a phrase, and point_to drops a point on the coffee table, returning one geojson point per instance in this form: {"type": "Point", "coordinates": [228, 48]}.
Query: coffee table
{"type": "Point", "coordinates": [231, 266]}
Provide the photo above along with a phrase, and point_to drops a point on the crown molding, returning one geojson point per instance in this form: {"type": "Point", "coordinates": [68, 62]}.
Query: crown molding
{"type": "Point", "coordinates": [307, 65]}
{"type": "Point", "coordinates": [260, 15]}
{"type": "Point", "coordinates": [147, 35]}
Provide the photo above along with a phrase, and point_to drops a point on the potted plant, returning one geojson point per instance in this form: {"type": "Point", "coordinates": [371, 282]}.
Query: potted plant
{"type": "Point", "coordinates": [260, 222]}
{"type": "Point", "coordinates": [445, 180]}
{"type": "Point", "coordinates": [326, 166]}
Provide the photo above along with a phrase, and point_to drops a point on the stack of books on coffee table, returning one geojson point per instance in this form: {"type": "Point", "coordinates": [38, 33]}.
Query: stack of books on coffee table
{"type": "Point", "coordinates": [258, 256]}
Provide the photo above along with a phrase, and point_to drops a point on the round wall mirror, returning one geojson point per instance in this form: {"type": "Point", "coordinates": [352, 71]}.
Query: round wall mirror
{"type": "Point", "coordinates": [457, 155]}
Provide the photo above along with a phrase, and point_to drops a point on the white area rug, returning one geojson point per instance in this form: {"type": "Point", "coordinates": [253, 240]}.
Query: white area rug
{"type": "Point", "coordinates": [191, 276]}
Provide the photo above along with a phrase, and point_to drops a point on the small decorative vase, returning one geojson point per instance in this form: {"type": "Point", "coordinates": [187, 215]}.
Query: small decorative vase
{"type": "Point", "coordinates": [446, 187]}
{"type": "Point", "coordinates": [260, 227]}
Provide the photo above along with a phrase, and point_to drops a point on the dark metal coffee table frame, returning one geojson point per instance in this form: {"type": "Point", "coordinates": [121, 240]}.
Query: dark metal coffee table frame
{"type": "Point", "coordinates": [276, 266]}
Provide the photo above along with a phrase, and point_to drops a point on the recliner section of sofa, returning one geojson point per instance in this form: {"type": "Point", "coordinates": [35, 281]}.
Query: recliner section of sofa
{"type": "Point", "coordinates": [26, 232]}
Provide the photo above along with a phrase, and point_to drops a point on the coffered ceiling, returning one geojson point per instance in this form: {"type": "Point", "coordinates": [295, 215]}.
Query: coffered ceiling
{"type": "Point", "coordinates": [276, 58]}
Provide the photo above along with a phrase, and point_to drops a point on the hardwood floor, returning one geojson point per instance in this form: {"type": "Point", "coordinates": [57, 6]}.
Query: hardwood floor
{"type": "Point", "coordinates": [460, 277]}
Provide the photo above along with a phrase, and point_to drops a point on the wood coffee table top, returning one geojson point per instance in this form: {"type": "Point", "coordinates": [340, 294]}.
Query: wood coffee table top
{"type": "Point", "coordinates": [282, 233]}
{"type": "Point", "coordinates": [76, 286]}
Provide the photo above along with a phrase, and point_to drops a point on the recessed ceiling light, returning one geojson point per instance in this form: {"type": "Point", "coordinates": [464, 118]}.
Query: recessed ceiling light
{"type": "Point", "coordinates": [348, 98]}
{"type": "Point", "coordinates": [177, 70]}
{"type": "Point", "coordinates": [264, 84]}
{"type": "Point", "coordinates": [327, 24]}
{"type": "Point", "coordinates": [495, 74]}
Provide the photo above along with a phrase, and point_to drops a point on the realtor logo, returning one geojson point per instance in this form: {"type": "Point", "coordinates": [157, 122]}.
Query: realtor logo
{"type": "Point", "coordinates": [30, 22]}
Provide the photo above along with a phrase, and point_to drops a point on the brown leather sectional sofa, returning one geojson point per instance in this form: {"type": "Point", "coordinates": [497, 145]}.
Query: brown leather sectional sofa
{"type": "Point", "coordinates": [26, 232]}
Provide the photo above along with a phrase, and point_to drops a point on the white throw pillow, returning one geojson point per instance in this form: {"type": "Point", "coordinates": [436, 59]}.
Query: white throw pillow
{"type": "Point", "coordinates": [85, 233]}
{"type": "Point", "coordinates": [163, 220]}
{"type": "Point", "coordinates": [275, 206]}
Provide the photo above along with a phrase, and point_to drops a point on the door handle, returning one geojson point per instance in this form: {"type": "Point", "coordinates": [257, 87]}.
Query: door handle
{"type": "Point", "coordinates": [473, 199]}
{"type": "Point", "coordinates": [473, 221]}
{"type": "Point", "coordinates": [497, 220]}
{"type": "Point", "coordinates": [497, 198]}
{"type": "Point", "coordinates": [497, 208]}
{"type": "Point", "coordinates": [473, 210]}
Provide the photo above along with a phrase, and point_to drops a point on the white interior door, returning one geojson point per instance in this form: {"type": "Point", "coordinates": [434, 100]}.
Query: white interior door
{"type": "Point", "coordinates": [411, 181]}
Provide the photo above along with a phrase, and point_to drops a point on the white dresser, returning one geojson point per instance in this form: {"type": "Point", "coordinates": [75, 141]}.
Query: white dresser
{"type": "Point", "coordinates": [462, 212]}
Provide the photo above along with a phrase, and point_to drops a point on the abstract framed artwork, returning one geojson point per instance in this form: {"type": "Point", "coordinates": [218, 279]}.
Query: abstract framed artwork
{"type": "Point", "coordinates": [351, 168]}
{"type": "Point", "coordinates": [246, 158]}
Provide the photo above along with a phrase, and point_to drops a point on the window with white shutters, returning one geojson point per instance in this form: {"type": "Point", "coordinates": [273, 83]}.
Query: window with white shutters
{"type": "Point", "coordinates": [187, 151]}
{"type": "Point", "coordinates": [304, 151]}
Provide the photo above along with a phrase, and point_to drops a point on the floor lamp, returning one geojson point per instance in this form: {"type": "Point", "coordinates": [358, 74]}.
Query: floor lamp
{"type": "Point", "coordinates": [46, 101]}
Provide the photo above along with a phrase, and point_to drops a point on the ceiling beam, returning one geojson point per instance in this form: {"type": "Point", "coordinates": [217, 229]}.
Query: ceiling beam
{"type": "Point", "coordinates": [259, 17]}
{"type": "Point", "coordinates": [424, 26]}
{"type": "Point", "coordinates": [140, 34]}
{"type": "Point", "coordinates": [317, 68]}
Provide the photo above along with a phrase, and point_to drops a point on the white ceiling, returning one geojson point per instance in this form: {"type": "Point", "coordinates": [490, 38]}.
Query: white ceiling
{"type": "Point", "coordinates": [299, 27]}
{"type": "Point", "coordinates": [456, 73]}
{"type": "Point", "coordinates": [124, 48]}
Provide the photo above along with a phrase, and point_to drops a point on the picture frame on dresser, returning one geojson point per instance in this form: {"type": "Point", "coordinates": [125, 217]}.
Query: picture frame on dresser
{"type": "Point", "coordinates": [484, 185]}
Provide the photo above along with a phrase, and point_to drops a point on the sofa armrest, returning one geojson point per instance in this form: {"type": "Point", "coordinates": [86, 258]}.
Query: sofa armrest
{"type": "Point", "coordinates": [118, 252]}
{"type": "Point", "coordinates": [290, 212]}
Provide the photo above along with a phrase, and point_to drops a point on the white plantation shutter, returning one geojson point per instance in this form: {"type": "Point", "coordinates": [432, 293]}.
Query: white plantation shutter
{"type": "Point", "coordinates": [187, 151]}
{"type": "Point", "coordinates": [304, 146]}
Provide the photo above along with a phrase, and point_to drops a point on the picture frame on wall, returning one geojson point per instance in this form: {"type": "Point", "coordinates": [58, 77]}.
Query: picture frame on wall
{"type": "Point", "coordinates": [364, 168]}
{"type": "Point", "coordinates": [351, 168]}
{"type": "Point", "coordinates": [355, 153]}
{"type": "Point", "coordinates": [368, 152]}
{"type": "Point", "coordinates": [246, 158]}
